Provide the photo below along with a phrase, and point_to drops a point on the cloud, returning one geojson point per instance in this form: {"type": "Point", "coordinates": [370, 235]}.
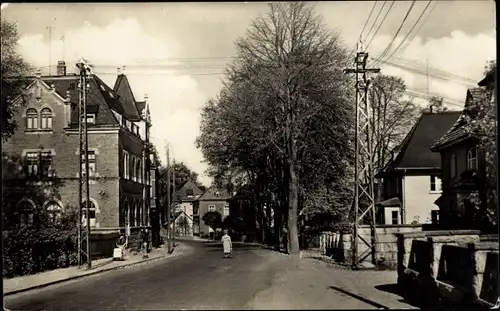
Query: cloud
{"type": "Point", "coordinates": [460, 54]}
{"type": "Point", "coordinates": [175, 97]}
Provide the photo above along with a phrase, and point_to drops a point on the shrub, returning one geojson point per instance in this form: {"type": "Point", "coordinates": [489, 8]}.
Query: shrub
{"type": "Point", "coordinates": [39, 247]}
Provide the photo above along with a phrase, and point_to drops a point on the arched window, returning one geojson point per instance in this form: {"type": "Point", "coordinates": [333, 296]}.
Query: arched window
{"type": "Point", "coordinates": [46, 115]}
{"type": "Point", "coordinates": [472, 159]}
{"type": "Point", "coordinates": [92, 211]}
{"type": "Point", "coordinates": [26, 209]}
{"type": "Point", "coordinates": [54, 211]}
{"type": "Point", "coordinates": [31, 119]}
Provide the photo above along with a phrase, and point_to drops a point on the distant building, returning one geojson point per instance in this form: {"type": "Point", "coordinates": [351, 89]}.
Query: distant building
{"type": "Point", "coordinates": [187, 194]}
{"type": "Point", "coordinates": [412, 178]}
{"type": "Point", "coordinates": [213, 200]}
{"type": "Point", "coordinates": [47, 144]}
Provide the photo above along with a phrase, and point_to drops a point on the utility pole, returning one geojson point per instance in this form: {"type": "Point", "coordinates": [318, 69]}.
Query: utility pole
{"type": "Point", "coordinates": [167, 214]}
{"type": "Point", "coordinates": [63, 50]}
{"type": "Point", "coordinates": [146, 165]}
{"type": "Point", "coordinates": [49, 28]}
{"type": "Point", "coordinates": [364, 175]}
{"type": "Point", "coordinates": [83, 135]}
{"type": "Point", "coordinates": [173, 201]}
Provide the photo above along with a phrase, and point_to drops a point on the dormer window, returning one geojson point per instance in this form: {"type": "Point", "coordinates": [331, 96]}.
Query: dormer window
{"type": "Point", "coordinates": [217, 194]}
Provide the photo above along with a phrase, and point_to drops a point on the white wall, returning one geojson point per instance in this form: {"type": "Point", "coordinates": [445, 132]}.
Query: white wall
{"type": "Point", "coordinates": [186, 207]}
{"type": "Point", "coordinates": [418, 200]}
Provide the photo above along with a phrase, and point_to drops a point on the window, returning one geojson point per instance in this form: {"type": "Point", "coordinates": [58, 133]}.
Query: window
{"type": "Point", "coordinates": [138, 171]}
{"type": "Point", "coordinates": [31, 119]}
{"type": "Point", "coordinates": [472, 159]}
{"type": "Point", "coordinates": [435, 183]}
{"type": "Point", "coordinates": [26, 212]}
{"type": "Point", "coordinates": [92, 210]}
{"type": "Point", "coordinates": [453, 166]}
{"type": "Point", "coordinates": [53, 211]}
{"type": "Point", "coordinates": [46, 164]}
{"type": "Point", "coordinates": [435, 217]}
{"type": "Point", "coordinates": [189, 192]}
{"type": "Point", "coordinates": [138, 215]}
{"type": "Point", "coordinates": [211, 208]}
{"type": "Point", "coordinates": [226, 210]}
{"type": "Point", "coordinates": [92, 163]}
{"type": "Point", "coordinates": [132, 216]}
{"type": "Point", "coordinates": [126, 165]}
{"type": "Point", "coordinates": [31, 163]}
{"type": "Point", "coordinates": [46, 118]}
{"type": "Point", "coordinates": [395, 217]}
{"type": "Point", "coordinates": [91, 118]}
{"type": "Point", "coordinates": [134, 178]}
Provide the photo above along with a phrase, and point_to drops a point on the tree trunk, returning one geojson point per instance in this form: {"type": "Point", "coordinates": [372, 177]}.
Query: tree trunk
{"type": "Point", "coordinates": [293, 237]}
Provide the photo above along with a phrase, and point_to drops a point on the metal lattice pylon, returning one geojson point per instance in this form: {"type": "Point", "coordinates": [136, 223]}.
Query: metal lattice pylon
{"type": "Point", "coordinates": [84, 249]}
{"type": "Point", "coordinates": [364, 192]}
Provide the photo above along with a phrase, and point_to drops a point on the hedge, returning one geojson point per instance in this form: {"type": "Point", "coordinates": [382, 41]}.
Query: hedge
{"type": "Point", "coordinates": [33, 250]}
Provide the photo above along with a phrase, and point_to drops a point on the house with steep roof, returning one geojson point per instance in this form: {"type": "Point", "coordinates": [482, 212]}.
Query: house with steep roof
{"type": "Point", "coordinates": [186, 195]}
{"type": "Point", "coordinates": [47, 144]}
{"type": "Point", "coordinates": [412, 178]}
{"type": "Point", "coordinates": [213, 200]}
{"type": "Point", "coordinates": [463, 166]}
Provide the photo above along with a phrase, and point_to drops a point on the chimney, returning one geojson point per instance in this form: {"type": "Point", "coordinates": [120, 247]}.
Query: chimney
{"type": "Point", "coordinates": [61, 68]}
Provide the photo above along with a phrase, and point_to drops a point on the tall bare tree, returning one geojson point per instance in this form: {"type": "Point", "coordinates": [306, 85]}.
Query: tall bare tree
{"type": "Point", "coordinates": [286, 93]}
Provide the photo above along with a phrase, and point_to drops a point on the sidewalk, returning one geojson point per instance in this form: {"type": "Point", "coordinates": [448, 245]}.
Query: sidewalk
{"type": "Point", "coordinates": [35, 281]}
{"type": "Point", "coordinates": [304, 283]}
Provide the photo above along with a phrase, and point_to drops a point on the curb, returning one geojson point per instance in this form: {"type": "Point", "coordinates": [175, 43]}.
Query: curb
{"type": "Point", "coordinates": [22, 290]}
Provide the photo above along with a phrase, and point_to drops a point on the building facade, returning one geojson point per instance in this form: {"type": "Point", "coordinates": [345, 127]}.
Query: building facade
{"type": "Point", "coordinates": [413, 175]}
{"type": "Point", "coordinates": [213, 200]}
{"type": "Point", "coordinates": [46, 145]}
{"type": "Point", "coordinates": [186, 195]}
{"type": "Point", "coordinates": [463, 169]}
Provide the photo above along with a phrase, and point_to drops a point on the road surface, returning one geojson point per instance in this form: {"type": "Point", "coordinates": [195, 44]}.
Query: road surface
{"type": "Point", "coordinates": [252, 279]}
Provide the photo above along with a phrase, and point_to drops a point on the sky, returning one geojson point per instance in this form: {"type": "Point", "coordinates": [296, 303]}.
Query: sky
{"type": "Point", "coordinates": [176, 52]}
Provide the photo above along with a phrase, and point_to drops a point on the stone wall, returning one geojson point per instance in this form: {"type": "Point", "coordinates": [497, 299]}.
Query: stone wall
{"type": "Point", "coordinates": [339, 245]}
{"type": "Point", "coordinates": [453, 266]}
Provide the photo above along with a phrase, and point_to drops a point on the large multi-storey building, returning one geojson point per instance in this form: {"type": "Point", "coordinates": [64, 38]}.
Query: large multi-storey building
{"type": "Point", "coordinates": [47, 142]}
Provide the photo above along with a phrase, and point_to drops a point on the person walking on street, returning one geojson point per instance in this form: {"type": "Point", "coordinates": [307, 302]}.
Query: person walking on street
{"type": "Point", "coordinates": [227, 244]}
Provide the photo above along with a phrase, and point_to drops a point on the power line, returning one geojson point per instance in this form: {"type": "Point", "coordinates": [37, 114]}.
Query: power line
{"type": "Point", "coordinates": [409, 32]}
{"type": "Point", "coordinates": [380, 25]}
{"type": "Point", "coordinates": [375, 21]}
{"type": "Point", "coordinates": [434, 5]}
{"type": "Point", "coordinates": [396, 34]}
{"type": "Point", "coordinates": [361, 34]}
{"type": "Point", "coordinates": [367, 20]}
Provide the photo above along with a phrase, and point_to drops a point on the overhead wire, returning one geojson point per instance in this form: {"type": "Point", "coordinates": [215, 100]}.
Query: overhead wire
{"type": "Point", "coordinates": [434, 5]}
{"type": "Point", "coordinates": [375, 21]}
{"type": "Point", "coordinates": [396, 34]}
{"type": "Point", "coordinates": [380, 25]}
{"type": "Point", "coordinates": [364, 27]}
{"type": "Point", "coordinates": [409, 32]}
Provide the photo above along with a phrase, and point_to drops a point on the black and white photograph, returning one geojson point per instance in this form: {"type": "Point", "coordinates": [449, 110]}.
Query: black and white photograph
{"type": "Point", "coordinates": [249, 155]}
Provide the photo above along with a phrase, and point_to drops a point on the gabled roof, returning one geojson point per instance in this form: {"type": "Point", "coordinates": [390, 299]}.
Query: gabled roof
{"type": "Point", "coordinates": [211, 195]}
{"type": "Point", "coordinates": [414, 151]}
{"type": "Point", "coordinates": [99, 97]}
{"type": "Point", "coordinates": [122, 87]}
{"type": "Point", "coordinates": [459, 130]}
{"type": "Point", "coordinates": [189, 184]}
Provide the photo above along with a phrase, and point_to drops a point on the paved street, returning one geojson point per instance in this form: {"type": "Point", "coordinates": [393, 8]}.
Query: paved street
{"type": "Point", "coordinates": [252, 279]}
